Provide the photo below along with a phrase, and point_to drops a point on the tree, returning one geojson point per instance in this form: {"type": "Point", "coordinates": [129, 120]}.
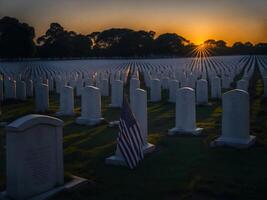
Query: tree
{"type": "Point", "coordinates": [170, 44]}
{"type": "Point", "coordinates": [16, 38]}
{"type": "Point", "coordinates": [57, 42]}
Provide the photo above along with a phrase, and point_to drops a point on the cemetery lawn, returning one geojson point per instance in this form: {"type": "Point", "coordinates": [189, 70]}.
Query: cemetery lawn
{"type": "Point", "coordinates": [182, 167]}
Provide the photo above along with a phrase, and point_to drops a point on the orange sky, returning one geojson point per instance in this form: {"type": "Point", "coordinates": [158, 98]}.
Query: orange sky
{"type": "Point", "coordinates": [196, 20]}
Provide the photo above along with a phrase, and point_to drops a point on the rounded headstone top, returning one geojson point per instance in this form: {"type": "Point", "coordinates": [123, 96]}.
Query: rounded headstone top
{"type": "Point", "coordinates": [187, 89]}
{"type": "Point", "coordinates": [236, 91]}
{"type": "Point", "coordinates": [29, 121]}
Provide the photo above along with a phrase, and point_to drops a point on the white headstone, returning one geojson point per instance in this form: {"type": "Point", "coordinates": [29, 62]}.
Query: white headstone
{"type": "Point", "coordinates": [21, 90]}
{"type": "Point", "coordinates": [216, 90]}
{"type": "Point", "coordinates": [134, 84]}
{"type": "Point", "coordinates": [185, 120]}
{"type": "Point", "coordinates": [140, 112]}
{"type": "Point", "coordinates": [174, 86]}
{"type": "Point", "coordinates": [29, 88]}
{"type": "Point", "coordinates": [202, 92]}
{"type": "Point", "coordinates": [235, 120]}
{"type": "Point", "coordinates": [265, 86]}
{"type": "Point", "coordinates": [104, 87]}
{"type": "Point", "coordinates": [34, 154]}
{"type": "Point", "coordinates": [66, 101]}
{"type": "Point", "coordinates": [242, 85]}
{"type": "Point", "coordinates": [155, 90]}
{"type": "Point", "coordinates": [42, 98]}
{"type": "Point", "coordinates": [10, 89]}
{"type": "Point", "coordinates": [91, 106]}
{"type": "Point", "coordinates": [116, 93]}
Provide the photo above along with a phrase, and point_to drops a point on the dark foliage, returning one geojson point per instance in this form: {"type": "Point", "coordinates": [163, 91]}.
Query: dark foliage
{"type": "Point", "coordinates": [17, 40]}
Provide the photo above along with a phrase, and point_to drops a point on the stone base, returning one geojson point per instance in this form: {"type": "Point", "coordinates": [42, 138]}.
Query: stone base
{"type": "Point", "coordinates": [64, 114]}
{"type": "Point", "coordinates": [114, 106]}
{"type": "Point", "coordinates": [46, 195]}
{"type": "Point", "coordinates": [113, 124]}
{"type": "Point", "coordinates": [119, 160]}
{"type": "Point", "coordinates": [233, 142]}
{"type": "Point", "coordinates": [176, 131]}
{"type": "Point", "coordinates": [115, 160]}
{"type": "Point", "coordinates": [149, 148]}
{"type": "Point", "coordinates": [86, 121]}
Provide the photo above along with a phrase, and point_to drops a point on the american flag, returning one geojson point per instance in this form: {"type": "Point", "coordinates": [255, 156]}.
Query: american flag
{"type": "Point", "coordinates": [130, 141]}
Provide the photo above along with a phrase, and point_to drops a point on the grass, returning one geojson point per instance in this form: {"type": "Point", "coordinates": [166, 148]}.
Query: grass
{"type": "Point", "coordinates": [181, 168]}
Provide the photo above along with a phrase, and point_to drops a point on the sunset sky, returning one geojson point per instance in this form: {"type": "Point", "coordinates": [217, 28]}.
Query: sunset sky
{"type": "Point", "coordinates": [196, 20]}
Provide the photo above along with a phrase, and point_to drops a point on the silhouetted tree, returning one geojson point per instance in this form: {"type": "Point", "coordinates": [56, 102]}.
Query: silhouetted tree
{"type": "Point", "coordinates": [57, 42]}
{"type": "Point", "coordinates": [170, 44]}
{"type": "Point", "coordinates": [16, 38]}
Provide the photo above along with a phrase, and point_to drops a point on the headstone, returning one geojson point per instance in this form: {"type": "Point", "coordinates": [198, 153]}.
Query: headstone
{"type": "Point", "coordinates": [216, 90]}
{"type": "Point", "coordinates": [21, 90]}
{"type": "Point", "coordinates": [242, 85]}
{"type": "Point", "coordinates": [155, 90]}
{"type": "Point", "coordinates": [265, 86]}
{"type": "Point", "coordinates": [10, 89]}
{"type": "Point", "coordinates": [185, 120]}
{"type": "Point", "coordinates": [134, 84]}
{"type": "Point", "coordinates": [174, 86]}
{"type": "Point", "coordinates": [91, 106]}
{"type": "Point", "coordinates": [202, 92]}
{"type": "Point", "coordinates": [165, 83]}
{"type": "Point", "coordinates": [140, 112]}
{"type": "Point", "coordinates": [116, 93]}
{"type": "Point", "coordinates": [66, 102]}
{"type": "Point", "coordinates": [34, 154]}
{"type": "Point", "coordinates": [29, 88]}
{"type": "Point", "coordinates": [42, 98]}
{"type": "Point", "coordinates": [1, 89]}
{"type": "Point", "coordinates": [104, 87]}
{"type": "Point", "coordinates": [79, 87]}
{"type": "Point", "coordinates": [235, 120]}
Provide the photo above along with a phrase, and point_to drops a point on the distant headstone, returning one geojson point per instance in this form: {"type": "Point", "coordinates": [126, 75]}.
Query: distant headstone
{"type": "Point", "coordinates": [202, 92]}
{"type": "Point", "coordinates": [185, 120]}
{"type": "Point", "coordinates": [10, 89]}
{"type": "Point", "coordinates": [21, 90]}
{"type": "Point", "coordinates": [155, 90]}
{"type": "Point", "coordinates": [29, 88]}
{"type": "Point", "coordinates": [134, 84]}
{"type": "Point", "coordinates": [216, 90]}
{"type": "Point", "coordinates": [174, 86]}
{"type": "Point", "coordinates": [104, 87]}
{"type": "Point", "coordinates": [235, 120]}
{"type": "Point", "coordinates": [34, 153]}
{"type": "Point", "coordinates": [42, 98]}
{"type": "Point", "coordinates": [91, 106]}
{"type": "Point", "coordinates": [116, 93]}
{"type": "Point", "coordinates": [242, 85]}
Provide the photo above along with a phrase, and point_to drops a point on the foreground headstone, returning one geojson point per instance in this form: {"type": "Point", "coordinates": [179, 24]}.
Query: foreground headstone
{"type": "Point", "coordinates": [42, 98]}
{"type": "Point", "coordinates": [66, 102]}
{"type": "Point", "coordinates": [91, 106]}
{"type": "Point", "coordinates": [235, 120]}
{"type": "Point", "coordinates": [116, 93]}
{"type": "Point", "coordinates": [140, 112]}
{"type": "Point", "coordinates": [185, 121]}
{"type": "Point", "coordinates": [155, 90]}
{"type": "Point", "coordinates": [34, 153]}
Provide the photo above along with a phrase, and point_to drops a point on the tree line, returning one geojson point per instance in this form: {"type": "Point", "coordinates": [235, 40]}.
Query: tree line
{"type": "Point", "coordinates": [18, 40]}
